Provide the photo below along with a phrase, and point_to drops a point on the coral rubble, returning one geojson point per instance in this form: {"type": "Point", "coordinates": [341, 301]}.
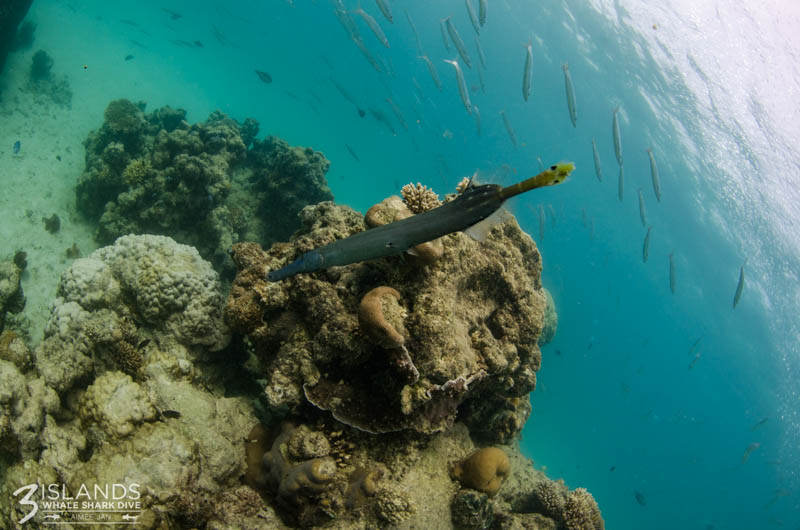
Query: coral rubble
{"type": "Point", "coordinates": [208, 185]}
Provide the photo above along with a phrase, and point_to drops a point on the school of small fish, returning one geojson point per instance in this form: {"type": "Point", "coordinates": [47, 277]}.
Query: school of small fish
{"type": "Point", "coordinates": [475, 14]}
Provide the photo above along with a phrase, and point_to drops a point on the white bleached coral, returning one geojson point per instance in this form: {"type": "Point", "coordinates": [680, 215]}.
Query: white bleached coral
{"type": "Point", "coordinates": [117, 404]}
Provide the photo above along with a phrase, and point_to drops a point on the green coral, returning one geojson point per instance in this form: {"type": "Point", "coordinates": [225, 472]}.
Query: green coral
{"type": "Point", "coordinates": [123, 116]}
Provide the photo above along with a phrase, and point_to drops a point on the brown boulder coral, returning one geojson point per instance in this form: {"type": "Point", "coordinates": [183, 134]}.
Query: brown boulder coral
{"type": "Point", "coordinates": [484, 470]}
{"type": "Point", "coordinates": [471, 329]}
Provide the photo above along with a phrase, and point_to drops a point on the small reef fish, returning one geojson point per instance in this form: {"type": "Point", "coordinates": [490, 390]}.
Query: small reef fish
{"type": "Point", "coordinates": [694, 346]}
{"type": "Point", "coordinates": [477, 114]}
{"type": "Point", "coordinates": [466, 212]}
{"type": "Point", "coordinates": [621, 183]}
{"type": "Point", "coordinates": [444, 35]}
{"type": "Point", "coordinates": [383, 5]}
{"type": "Point", "coordinates": [457, 42]}
{"type": "Point", "coordinates": [264, 76]}
{"type": "Point", "coordinates": [17, 146]}
{"type": "Point", "coordinates": [750, 448]}
{"type": "Point", "coordinates": [617, 139]}
{"type": "Point", "coordinates": [598, 170]}
{"type": "Point", "coordinates": [612, 468]}
{"type": "Point", "coordinates": [571, 106]}
{"type": "Point", "coordinates": [694, 361]}
{"type": "Point", "coordinates": [128, 57]}
{"type": "Point", "coordinates": [432, 71]}
{"type": "Point", "coordinates": [481, 56]}
{"type": "Point", "coordinates": [654, 175]}
{"type": "Point", "coordinates": [640, 498]}
{"type": "Point", "coordinates": [462, 85]}
{"type": "Point", "coordinates": [482, 8]}
{"type": "Point", "coordinates": [646, 246]}
{"type": "Point", "coordinates": [352, 152]}
{"type": "Point", "coordinates": [472, 17]}
{"type": "Point", "coordinates": [373, 25]}
{"type": "Point", "coordinates": [509, 130]}
{"type": "Point", "coordinates": [739, 287]}
{"type": "Point", "coordinates": [642, 211]}
{"type": "Point", "coordinates": [672, 272]}
{"type": "Point", "coordinates": [759, 424]}
{"type": "Point", "coordinates": [527, 71]}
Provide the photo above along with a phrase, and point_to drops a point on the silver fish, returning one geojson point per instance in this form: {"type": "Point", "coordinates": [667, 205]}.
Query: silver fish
{"type": "Point", "coordinates": [739, 287]}
{"type": "Point", "coordinates": [416, 35]}
{"type": "Point", "coordinates": [482, 81]}
{"type": "Point", "coordinates": [646, 245]}
{"type": "Point", "coordinates": [672, 272]}
{"type": "Point", "coordinates": [541, 222]}
{"type": "Point", "coordinates": [509, 130]}
{"type": "Point", "coordinates": [527, 71]}
{"type": "Point", "coordinates": [373, 25]}
{"type": "Point", "coordinates": [366, 53]}
{"type": "Point", "coordinates": [642, 212]}
{"type": "Point", "coordinates": [654, 174]}
{"type": "Point", "coordinates": [347, 23]}
{"type": "Point", "coordinates": [482, 7]}
{"type": "Point", "coordinates": [432, 70]}
{"type": "Point", "coordinates": [621, 184]}
{"type": "Point", "coordinates": [617, 139]}
{"type": "Point", "coordinates": [383, 5]}
{"type": "Point", "coordinates": [573, 111]}
{"type": "Point", "coordinates": [750, 448]}
{"type": "Point", "coordinates": [473, 17]}
{"type": "Point", "coordinates": [477, 114]}
{"type": "Point", "coordinates": [597, 168]}
{"type": "Point", "coordinates": [444, 35]}
{"type": "Point", "coordinates": [481, 56]}
{"type": "Point", "coordinates": [457, 42]}
{"type": "Point", "coordinates": [398, 114]}
{"type": "Point", "coordinates": [462, 85]}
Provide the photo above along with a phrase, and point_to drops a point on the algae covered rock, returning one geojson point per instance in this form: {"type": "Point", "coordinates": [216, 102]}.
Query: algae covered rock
{"type": "Point", "coordinates": [467, 324]}
{"type": "Point", "coordinates": [199, 184]}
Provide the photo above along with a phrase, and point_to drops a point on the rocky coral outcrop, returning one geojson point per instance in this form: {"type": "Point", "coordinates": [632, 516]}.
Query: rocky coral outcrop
{"type": "Point", "coordinates": [470, 323]}
{"type": "Point", "coordinates": [201, 184]}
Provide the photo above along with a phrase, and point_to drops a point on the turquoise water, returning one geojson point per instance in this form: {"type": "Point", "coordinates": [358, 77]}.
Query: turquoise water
{"type": "Point", "coordinates": [716, 101]}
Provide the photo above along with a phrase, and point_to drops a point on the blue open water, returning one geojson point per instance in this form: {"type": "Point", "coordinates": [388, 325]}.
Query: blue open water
{"type": "Point", "coordinates": [623, 405]}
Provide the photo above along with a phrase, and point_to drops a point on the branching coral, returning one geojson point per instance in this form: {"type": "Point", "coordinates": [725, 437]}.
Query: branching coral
{"type": "Point", "coordinates": [420, 198]}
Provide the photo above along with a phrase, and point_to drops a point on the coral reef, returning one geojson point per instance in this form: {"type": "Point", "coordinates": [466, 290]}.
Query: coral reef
{"type": "Point", "coordinates": [199, 184]}
{"type": "Point", "coordinates": [41, 66]}
{"type": "Point", "coordinates": [127, 388]}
